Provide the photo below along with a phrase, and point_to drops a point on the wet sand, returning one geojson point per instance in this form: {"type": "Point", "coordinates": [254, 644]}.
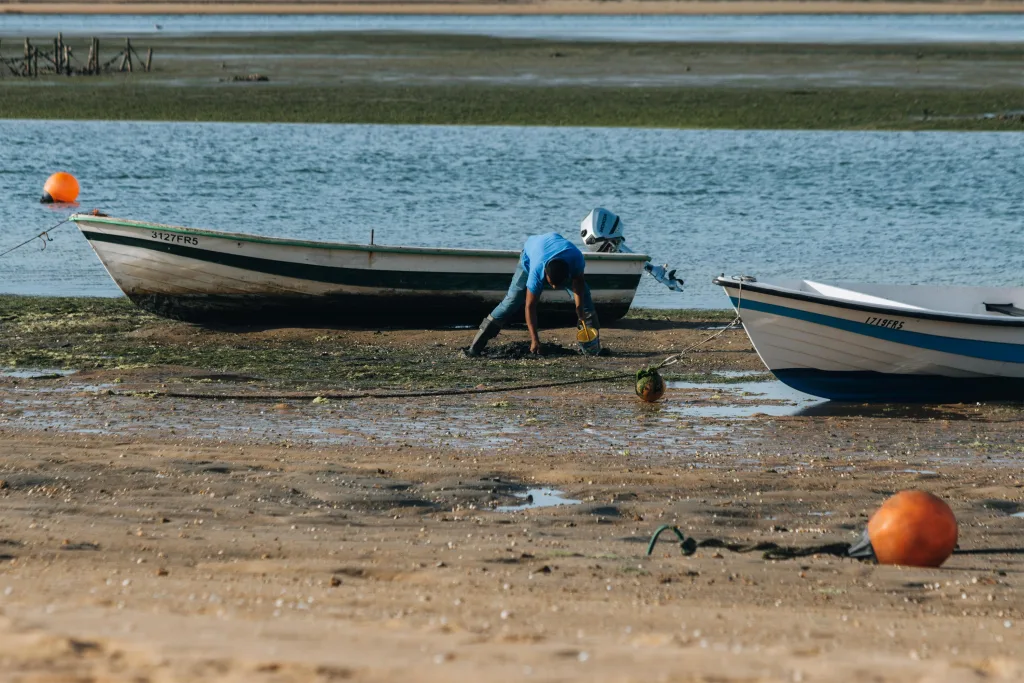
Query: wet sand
{"type": "Point", "coordinates": [287, 539]}
{"type": "Point", "coordinates": [654, 7]}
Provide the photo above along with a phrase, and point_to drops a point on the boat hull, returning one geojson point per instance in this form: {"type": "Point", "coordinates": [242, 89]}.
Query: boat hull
{"type": "Point", "coordinates": [873, 352]}
{"type": "Point", "coordinates": [214, 277]}
{"type": "Point", "coordinates": [347, 310]}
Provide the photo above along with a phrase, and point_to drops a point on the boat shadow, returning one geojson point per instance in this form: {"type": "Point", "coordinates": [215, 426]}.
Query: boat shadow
{"type": "Point", "coordinates": [990, 551]}
{"type": "Point", "coordinates": [912, 411]}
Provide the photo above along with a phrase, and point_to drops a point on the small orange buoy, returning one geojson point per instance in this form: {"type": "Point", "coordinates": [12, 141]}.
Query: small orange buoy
{"type": "Point", "coordinates": [649, 385]}
{"type": "Point", "coordinates": [913, 528]}
{"type": "Point", "coordinates": [60, 188]}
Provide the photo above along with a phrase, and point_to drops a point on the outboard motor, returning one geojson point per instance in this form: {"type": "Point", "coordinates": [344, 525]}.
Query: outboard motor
{"type": "Point", "coordinates": [602, 231]}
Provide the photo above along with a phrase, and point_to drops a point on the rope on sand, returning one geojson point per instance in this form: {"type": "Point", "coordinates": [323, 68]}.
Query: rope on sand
{"type": "Point", "coordinates": [348, 396]}
{"type": "Point", "coordinates": [771, 551]}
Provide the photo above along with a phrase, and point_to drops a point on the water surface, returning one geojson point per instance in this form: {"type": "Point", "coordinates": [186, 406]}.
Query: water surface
{"type": "Point", "coordinates": [902, 207]}
{"type": "Point", "coordinates": [854, 29]}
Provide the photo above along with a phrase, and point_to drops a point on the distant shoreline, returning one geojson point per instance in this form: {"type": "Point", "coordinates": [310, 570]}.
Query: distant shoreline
{"type": "Point", "coordinates": [556, 7]}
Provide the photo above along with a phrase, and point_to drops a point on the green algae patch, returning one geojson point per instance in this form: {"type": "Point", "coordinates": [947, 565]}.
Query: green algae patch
{"type": "Point", "coordinates": [466, 104]}
{"type": "Point", "coordinates": [113, 337]}
{"type": "Point", "coordinates": [408, 78]}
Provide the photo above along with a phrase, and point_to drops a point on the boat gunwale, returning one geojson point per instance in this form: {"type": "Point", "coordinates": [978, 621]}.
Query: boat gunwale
{"type": "Point", "coordinates": [339, 246]}
{"type": "Point", "coordinates": [923, 314]}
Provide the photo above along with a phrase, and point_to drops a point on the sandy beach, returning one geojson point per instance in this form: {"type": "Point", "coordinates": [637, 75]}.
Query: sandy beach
{"type": "Point", "coordinates": [182, 503]}
{"type": "Point", "coordinates": [147, 537]}
{"type": "Point", "coordinates": [556, 7]}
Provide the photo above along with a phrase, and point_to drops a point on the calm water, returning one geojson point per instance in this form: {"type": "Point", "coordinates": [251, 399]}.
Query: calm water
{"type": "Point", "coordinates": [772, 29]}
{"type": "Point", "coordinates": [892, 207]}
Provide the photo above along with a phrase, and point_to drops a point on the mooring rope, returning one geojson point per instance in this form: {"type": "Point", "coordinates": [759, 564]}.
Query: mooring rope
{"type": "Point", "coordinates": [771, 551]}
{"type": "Point", "coordinates": [44, 236]}
{"type": "Point", "coordinates": [349, 396]}
{"type": "Point", "coordinates": [675, 358]}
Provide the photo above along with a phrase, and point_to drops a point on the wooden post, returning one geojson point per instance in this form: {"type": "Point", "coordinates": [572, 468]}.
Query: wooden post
{"type": "Point", "coordinates": [126, 59]}
{"type": "Point", "coordinates": [67, 60]}
{"type": "Point", "coordinates": [28, 58]}
{"type": "Point", "coordinates": [149, 60]}
{"type": "Point", "coordinates": [88, 63]}
{"type": "Point", "coordinates": [56, 56]}
{"type": "Point", "coordinates": [96, 64]}
{"type": "Point", "coordinates": [60, 53]}
{"type": "Point", "coordinates": [35, 61]}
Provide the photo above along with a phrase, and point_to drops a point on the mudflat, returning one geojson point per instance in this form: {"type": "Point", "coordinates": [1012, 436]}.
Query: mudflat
{"type": "Point", "coordinates": [408, 78]}
{"type": "Point", "coordinates": [271, 535]}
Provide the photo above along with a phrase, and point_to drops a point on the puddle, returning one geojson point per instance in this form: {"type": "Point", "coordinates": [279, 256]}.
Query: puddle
{"type": "Point", "coordinates": [741, 399]}
{"type": "Point", "coordinates": [918, 472]}
{"type": "Point", "coordinates": [702, 425]}
{"type": "Point", "coordinates": [1018, 514]}
{"type": "Point", "coordinates": [538, 498]}
{"type": "Point", "coordinates": [725, 400]}
{"type": "Point", "coordinates": [36, 373]}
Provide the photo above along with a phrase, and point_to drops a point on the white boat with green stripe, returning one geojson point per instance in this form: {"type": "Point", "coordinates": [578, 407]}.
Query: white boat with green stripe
{"type": "Point", "coordinates": [210, 276]}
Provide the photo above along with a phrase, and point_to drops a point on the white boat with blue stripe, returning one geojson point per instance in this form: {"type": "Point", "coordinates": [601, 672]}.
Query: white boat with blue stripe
{"type": "Point", "coordinates": [886, 343]}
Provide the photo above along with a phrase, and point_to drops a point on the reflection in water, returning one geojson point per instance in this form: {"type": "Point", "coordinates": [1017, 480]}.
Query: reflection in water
{"type": "Point", "coordinates": [36, 373]}
{"type": "Point", "coordinates": [538, 498]}
{"type": "Point", "coordinates": [773, 398]}
{"type": "Point", "coordinates": [741, 399]}
{"type": "Point", "coordinates": [905, 411]}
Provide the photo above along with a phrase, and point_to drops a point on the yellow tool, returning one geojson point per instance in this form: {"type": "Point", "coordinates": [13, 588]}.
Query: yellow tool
{"type": "Point", "coordinates": [586, 334]}
{"type": "Point", "coordinates": [587, 338]}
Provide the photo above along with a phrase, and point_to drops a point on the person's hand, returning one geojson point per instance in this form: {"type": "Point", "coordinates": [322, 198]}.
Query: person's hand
{"type": "Point", "coordinates": [535, 347]}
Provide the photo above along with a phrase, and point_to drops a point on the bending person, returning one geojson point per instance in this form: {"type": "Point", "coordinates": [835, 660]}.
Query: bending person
{"type": "Point", "coordinates": [550, 260]}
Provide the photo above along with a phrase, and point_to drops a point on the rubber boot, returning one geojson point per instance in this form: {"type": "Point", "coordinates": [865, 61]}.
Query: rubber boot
{"type": "Point", "coordinates": [489, 329]}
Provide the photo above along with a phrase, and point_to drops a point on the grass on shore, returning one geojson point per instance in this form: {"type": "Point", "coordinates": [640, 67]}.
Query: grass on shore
{"type": "Point", "coordinates": [662, 107]}
{"type": "Point", "coordinates": [407, 78]}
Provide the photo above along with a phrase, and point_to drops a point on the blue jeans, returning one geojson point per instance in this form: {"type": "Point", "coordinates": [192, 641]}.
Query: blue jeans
{"type": "Point", "coordinates": [515, 300]}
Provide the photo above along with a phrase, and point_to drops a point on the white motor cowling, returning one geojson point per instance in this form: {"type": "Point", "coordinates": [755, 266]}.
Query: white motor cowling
{"type": "Point", "coordinates": [603, 231]}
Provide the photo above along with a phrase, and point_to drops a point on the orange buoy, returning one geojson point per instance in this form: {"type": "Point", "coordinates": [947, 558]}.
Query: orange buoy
{"type": "Point", "coordinates": [912, 528]}
{"type": "Point", "coordinates": [649, 385]}
{"type": "Point", "coordinates": [60, 188]}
